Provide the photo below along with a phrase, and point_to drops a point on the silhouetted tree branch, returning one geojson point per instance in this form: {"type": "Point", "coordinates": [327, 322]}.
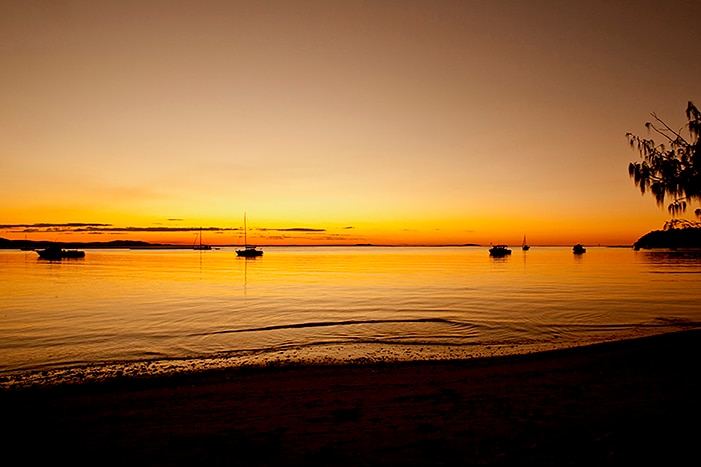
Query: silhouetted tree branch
{"type": "Point", "coordinates": [671, 171]}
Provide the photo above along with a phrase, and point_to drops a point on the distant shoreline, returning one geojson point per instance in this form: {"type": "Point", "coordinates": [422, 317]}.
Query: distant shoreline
{"type": "Point", "coordinates": [6, 244]}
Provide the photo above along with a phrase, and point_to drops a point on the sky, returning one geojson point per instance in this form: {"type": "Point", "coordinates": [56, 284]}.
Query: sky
{"type": "Point", "coordinates": [337, 122]}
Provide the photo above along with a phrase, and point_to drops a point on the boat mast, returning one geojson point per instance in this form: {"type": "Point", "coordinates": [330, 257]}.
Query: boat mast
{"type": "Point", "coordinates": [245, 238]}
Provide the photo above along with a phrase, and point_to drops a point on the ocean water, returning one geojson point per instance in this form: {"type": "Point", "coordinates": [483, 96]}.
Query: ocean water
{"type": "Point", "coordinates": [138, 312]}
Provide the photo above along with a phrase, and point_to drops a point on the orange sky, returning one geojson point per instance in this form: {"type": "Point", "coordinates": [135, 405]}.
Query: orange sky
{"type": "Point", "coordinates": [394, 122]}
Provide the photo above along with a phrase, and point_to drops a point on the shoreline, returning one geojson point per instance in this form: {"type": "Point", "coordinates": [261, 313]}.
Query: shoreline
{"type": "Point", "coordinates": [329, 355]}
{"type": "Point", "coordinates": [610, 403]}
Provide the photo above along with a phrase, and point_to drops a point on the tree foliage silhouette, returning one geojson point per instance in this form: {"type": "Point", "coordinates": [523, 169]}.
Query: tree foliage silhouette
{"type": "Point", "coordinates": [672, 169]}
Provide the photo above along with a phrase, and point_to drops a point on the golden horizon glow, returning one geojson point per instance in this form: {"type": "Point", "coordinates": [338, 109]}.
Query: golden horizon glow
{"type": "Point", "coordinates": [420, 123]}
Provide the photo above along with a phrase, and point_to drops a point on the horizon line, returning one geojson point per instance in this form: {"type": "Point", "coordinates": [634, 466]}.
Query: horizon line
{"type": "Point", "coordinates": [273, 245]}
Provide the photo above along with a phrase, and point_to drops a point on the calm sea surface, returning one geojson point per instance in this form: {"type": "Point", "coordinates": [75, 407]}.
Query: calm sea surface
{"type": "Point", "coordinates": [149, 311]}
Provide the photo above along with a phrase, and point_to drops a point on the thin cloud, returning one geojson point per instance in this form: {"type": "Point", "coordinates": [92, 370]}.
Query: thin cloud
{"type": "Point", "coordinates": [292, 229]}
{"type": "Point", "coordinates": [103, 228]}
{"type": "Point", "coordinates": [51, 225]}
{"type": "Point", "coordinates": [100, 228]}
{"type": "Point", "coordinates": [151, 229]}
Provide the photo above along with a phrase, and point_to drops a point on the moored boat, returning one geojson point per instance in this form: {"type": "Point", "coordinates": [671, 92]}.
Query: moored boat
{"type": "Point", "coordinates": [578, 249]}
{"type": "Point", "coordinates": [499, 251]}
{"type": "Point", "coordinates": [55, 253]}
{"type": "Point", "coordinates": [524, 245]}
{"type": "Point", "coordinates": [201, 246]}
{"type": "Point", "coordinates": [249, 251]}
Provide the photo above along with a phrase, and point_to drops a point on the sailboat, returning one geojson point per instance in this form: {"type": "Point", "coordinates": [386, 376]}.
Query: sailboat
{"type": "Point", "coordinates": [249, 251]}
{"type": "Point", "coordinates": [524, 245]}
{"type": "Point", "coordinates": [201, 246]}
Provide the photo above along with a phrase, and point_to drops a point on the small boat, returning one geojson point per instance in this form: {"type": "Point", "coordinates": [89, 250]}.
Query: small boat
{"type": "Point", "coordinates": [55, 253]}
{"type": "Point", "coordinates": [578, 249]}
{"type": "Point", "coordinates": [499, 251]}
{"type": "Point", "coordinates": [524, 245]}
{"type": "Point", "coordinates": [249, 251]}
{"type": "Point", "coordinates": [201, 246]}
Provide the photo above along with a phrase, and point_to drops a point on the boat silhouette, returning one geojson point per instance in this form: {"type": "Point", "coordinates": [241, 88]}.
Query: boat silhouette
{"type": "Point", "coordinates": [524, 245]}
{"type": "Point", "coordinates": [201, 246]}
{"type": "Point", "coordinates": [55, 253]}
{"type": "Point", "coordinates": [249, 251]}
{"type": "Point", "coordinates": [499, 251]}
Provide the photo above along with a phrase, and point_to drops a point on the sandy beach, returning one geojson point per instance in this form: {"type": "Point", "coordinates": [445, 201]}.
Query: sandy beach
{"type": "Point", "coordinates": [613, 403]}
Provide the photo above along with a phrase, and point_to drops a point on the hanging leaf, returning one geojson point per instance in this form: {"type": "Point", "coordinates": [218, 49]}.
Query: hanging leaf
{"type": "Point", "coordinates": [671, 170]}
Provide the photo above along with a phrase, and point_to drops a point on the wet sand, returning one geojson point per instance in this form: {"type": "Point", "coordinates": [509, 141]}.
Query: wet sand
{"type": "Point", "coordinates": [611, 404]}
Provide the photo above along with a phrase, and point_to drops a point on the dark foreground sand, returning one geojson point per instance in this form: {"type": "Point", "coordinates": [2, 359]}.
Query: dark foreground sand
{"type": "Point", "coordinates": [613, 404]}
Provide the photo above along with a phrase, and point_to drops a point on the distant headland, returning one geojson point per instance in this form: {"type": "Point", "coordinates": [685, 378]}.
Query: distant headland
{"type": "Point", "coordinates": [38, 245]}
{"type": "Point", "coordinates": [689, 237]}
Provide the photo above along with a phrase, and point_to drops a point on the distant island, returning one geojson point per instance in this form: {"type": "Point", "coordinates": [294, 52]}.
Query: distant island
{"type": "Point", "coordinates": [6, 244]}
{"type": "Point", "coordinates": [689, 237]}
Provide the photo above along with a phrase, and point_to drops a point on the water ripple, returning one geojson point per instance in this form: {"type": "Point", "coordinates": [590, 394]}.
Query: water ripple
{"type": "Point", "coordinates": [327, 324]}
